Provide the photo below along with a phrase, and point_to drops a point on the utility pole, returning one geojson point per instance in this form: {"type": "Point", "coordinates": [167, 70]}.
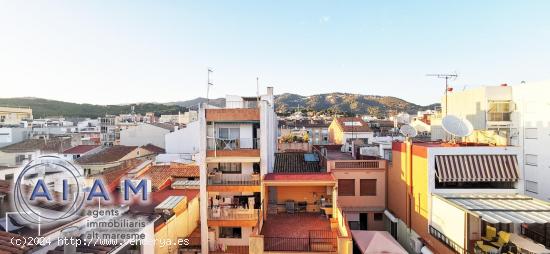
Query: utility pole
{"type": "Point", "coordinates": [446, 77]}
{"type": "Point", "coordinates": [208, 87]}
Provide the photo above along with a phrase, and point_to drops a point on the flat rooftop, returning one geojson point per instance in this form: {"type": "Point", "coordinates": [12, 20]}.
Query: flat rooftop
{"type": "Point", "coordinates": [297, 225]}
{"type": "Point", "coordinates": [338, 155]}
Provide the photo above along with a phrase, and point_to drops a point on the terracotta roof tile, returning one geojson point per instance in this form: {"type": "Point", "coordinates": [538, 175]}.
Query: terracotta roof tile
{"type": "Point", "coordinates": [362, 127]}
{"type": "Point", "coordinates": [80, 149]}
{"type": "Point", "coordinates": [109, 154]}
{"type": "Point", "coordinates": [55, 145]}
{"type": "Point", "coordinates": [153, 148]}
{"type": "Point", "coordinates": [160, 174]}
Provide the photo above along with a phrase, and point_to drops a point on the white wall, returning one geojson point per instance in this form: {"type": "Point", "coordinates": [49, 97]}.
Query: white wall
{"type": "Point", "coordinates": [185, 140]}
{"type": "Point", "coordinates": [448, 220]}
{"type": "Point", "coordinates": [143, 134]}
{"type": "Point", "coordinates": [532, 119]}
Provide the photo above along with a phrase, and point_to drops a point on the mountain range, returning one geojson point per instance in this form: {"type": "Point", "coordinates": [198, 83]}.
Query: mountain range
{"type": "Point", "coordinates": [331, 103]}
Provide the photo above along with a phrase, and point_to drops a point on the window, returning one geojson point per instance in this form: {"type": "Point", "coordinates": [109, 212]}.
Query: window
{"type": "Point", "coordinates": [230, 168]}
{"type": "Point", "coordinates": [531, 133]}
{"type": "Point", "coordinates": [354, 225]}
{"type": "Point", "coordinates": [531, 159]}
{"type": "Point", "coordinates": [531, 186]}
{"type": "Point", "coordinates": [368, 187]}
{"type": "Point", "coordinates": [378, 216]}
{"type": "Point", "coordinates": [499, 111]}
{"type": "Point", "coordinates": [228, 232]}
{"type": "Point", "coordinates": [346, 187]}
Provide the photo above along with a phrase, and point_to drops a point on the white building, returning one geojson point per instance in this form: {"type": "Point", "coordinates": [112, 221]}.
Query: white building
{"type": "Point", "coordinates": [143, 134]}
{"type": "Point", "coordinates": [531, 132]}
{"type": "Point", "coordinates": [183, 140]}
{"type": "Point", "coordinates": [10, 136]}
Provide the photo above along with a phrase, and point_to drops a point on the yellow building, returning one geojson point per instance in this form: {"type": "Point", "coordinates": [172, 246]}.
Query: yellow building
{"type": "Point", "coordinates": [13, 116]}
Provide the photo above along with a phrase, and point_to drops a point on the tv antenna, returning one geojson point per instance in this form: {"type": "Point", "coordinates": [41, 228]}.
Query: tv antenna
{"type": "Point", "coordinates": [208, 87]}
{"type": "Point", "coordinates": [457, 127]}
{"type": "Point", "coordinates": [446, 77]}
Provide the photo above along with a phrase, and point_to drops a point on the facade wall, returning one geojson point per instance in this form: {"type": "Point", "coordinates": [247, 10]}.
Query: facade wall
{"type": "Point", "coordinates": [335, 133]}
{"type": "Point", "coordinates": [377, 202]}
{"type": "Point", "coordinates": [184, 141]}
{"type": "Point", "coordinates": [180, 225]}
{"type": "Point", "coordinates": [533, 135]}
{"type": "Point", "coordinates": [142, 135]}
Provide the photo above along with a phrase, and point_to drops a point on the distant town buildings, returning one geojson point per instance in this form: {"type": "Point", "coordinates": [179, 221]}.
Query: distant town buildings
{"type": "Point", "coordinates": [11, 116]}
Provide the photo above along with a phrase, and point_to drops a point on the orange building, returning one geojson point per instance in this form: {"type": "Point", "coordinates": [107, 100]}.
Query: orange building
{"type": "Point", "coordinates": [445, 198]}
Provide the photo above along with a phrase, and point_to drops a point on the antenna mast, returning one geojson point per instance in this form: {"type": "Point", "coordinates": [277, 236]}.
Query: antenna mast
{"type": "Point", "coordinates": [208, 87]}
{"type": "Point", "coordinates": [446, 77]}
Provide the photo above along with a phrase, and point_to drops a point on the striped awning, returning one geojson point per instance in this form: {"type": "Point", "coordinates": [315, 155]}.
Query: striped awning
{"type": "Point", "coordinates": [476, 168]}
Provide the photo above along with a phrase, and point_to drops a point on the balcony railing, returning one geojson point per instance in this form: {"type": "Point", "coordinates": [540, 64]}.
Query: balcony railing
{"type": "Point", "coordinates": [316, 242]}
{"type": "Point", "coordinates": [499, 116]}
{"type": "Point", "coordinates": [357, 164]}
{"type": "Point", "coordinates": [233, 179]}
{"type": "Point", "coordinates": [450, 243]}
{"type": "Point", "coordinates": [225, 213]}
{"type": "Point", "coordinates": [233, 143]}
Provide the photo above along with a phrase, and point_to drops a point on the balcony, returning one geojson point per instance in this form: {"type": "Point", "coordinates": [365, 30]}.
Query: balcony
{"type": "Point", "coordinates": [232, 143]}
{"type": "Point", "coordinates": [220, 182]}
{"type": "Point", "coordinates": [232, 217]}
{"type": "Point", "coordinates": [233, 147]}
{"type": "Point", "coordinates": [221, 179]}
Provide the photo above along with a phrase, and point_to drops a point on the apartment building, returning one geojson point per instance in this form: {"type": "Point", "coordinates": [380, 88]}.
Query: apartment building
{"type": "Point", "coordinates": [237, 149]}
{"type": "Point", "coordinates": [316, 130]}
{"type": "Point", "coordinates": [12, 116]}
{"type": "Point", "coordinates": [449, 198]}
{"type": "Point", "coordinates": [109, 132]}
{"type": "Point", "coordinates": [532, 125]}
{"type": "Point", "coordinates": [346, 130]}
{"type": "Point", "coordinates": [508, 115]}
{"type": "Point", "coordinates": [488, 108]}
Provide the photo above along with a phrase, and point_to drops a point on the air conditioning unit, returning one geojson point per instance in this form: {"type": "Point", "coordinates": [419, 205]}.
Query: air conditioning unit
{"type": "Point", "coordinates": [416, 244]}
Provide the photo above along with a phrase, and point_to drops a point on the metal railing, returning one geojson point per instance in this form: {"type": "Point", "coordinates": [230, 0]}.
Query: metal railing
{"type": "Point", "coordinates": [223, 213]}
{"type": "Point", "coordinates": [536, 236]}
{"type": "Point", "coordinates": [232, 143]}
{"type": "Point", "coordinates": [233, 179]}
{"type": "Point", "coordinates": [359, 164]}
{"type": "Point", "coordinates": [315, 242]}
{"type": "Point", "coordinates": [450, 243]}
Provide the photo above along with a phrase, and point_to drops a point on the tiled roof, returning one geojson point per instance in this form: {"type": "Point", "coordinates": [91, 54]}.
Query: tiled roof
{"type": "Point", "coordinates": [294, 163]}
{"type": "Point", "coordinates": [6, 245]}
{"type": "Point", "coordinates": [153, 148]}
{"type": "Point", "coordinates": [5, 187]}
{"type": "Point", "coordinates": [299, 177]}
{"type": "Point", "coordinates": [55, 145]}
{"type": "Point", "coordinates": [80, 149]}
{"type": "Point", "coordinates": [109, 154]}
{"type": "Point", "coordinates": [362, 127]}
{"type": "Point", "coordinates": [160, 174]}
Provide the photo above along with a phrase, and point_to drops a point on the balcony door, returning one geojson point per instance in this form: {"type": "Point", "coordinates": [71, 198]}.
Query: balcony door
{"type": "Point", "coordinates": [229, 138]}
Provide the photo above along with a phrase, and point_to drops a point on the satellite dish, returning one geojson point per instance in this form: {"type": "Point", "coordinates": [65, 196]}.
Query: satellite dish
{"type": "Point", "coordinates": [408, 131]}
{"type": "Point", "coordinates": [456, 126]}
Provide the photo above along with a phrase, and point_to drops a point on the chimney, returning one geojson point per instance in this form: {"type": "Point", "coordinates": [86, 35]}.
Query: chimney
{"type": "Point", "coordinates": [269, 90]}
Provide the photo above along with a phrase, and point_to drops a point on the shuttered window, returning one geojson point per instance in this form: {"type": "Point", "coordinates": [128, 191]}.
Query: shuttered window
{"type": "Point", "coordinates": [346, 187]}
{"type": "Point", "coordinates": [368, 187]}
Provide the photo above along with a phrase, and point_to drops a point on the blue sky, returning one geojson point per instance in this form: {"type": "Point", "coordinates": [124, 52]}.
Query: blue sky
{"type": "Point", "coordinates": [110, 52]}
